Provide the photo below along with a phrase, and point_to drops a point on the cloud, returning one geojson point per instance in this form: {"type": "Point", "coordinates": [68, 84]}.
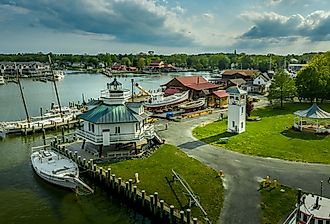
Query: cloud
{"type": "Point", "coordinates": [139, 21]}
{"type": "Point", "coordinates": [314, 27]}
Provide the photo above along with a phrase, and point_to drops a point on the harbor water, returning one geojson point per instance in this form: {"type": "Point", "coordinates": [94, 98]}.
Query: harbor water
{"type": "Point", "coordinates": [24, 197]}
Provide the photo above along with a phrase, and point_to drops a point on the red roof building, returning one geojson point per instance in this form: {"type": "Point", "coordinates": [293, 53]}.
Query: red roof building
{"type": "Point", "coordinates": [245, 74]}
{"type": "Point", "coordinates": [198, 86]}
{"type": "Point", "coordinates": [219, 99]}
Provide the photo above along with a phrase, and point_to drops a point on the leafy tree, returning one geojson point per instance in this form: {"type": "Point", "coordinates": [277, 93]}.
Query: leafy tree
{"type": "Point", "coordinates": [313, 81]}
{"type": "Point", "coordinates": [141, 63]}
{"type": "Point", "coordinates": [126, 61]}
{"type": "Point", "coordinates": [223, 62]}
{"type": "Point", "coordinates": [249, 107]}
{"type": "Point", "coordinates": [282, 87]}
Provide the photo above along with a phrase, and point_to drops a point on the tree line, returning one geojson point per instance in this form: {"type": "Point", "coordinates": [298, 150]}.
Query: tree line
{"type": "Point", "coordinates": [209, 61]}
{"type": "Point", "coordinates": [312, 83]}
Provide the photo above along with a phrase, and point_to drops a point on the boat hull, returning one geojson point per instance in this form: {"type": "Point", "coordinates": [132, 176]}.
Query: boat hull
{"type": "Point", "coordinates": [182, 98]}
{"type": "Point", "coordinates": [61, 171]}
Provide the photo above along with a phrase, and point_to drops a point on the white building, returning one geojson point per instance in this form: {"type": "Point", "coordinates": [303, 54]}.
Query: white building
{"type": "Point", "coordinates": [261, 83]}
{"type": "Point", "coordinates": [115, 121]}
{"type": "Point", "coordinates": [236, 110]}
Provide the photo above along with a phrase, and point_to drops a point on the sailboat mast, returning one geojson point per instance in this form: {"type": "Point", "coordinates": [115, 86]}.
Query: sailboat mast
{"type": "Point", "coordinates": [55, 86]}
{"type": "Point", "coordinates": [22, 94]}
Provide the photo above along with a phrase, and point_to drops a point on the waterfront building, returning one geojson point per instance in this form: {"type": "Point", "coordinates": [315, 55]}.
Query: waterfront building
{"type": "Point", "coordinates": [236, 110]}
{"type": "Point", "coordinates": [115, 123]}
{"type": "Point", "coordinates": [30, 69]}
{"type": "Point", "coordinates": [197, 85]}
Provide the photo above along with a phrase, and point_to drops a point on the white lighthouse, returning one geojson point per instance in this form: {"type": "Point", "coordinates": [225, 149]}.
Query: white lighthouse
{"type": "Point", "coordinates": [236, 110]}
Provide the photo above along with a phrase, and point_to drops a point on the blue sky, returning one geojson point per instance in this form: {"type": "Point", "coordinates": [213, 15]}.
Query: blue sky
{"type": "Point", "coordinates": [165, 26]}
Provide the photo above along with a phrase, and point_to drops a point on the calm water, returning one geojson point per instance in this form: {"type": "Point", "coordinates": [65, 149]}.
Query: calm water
{"type": "Point", "coordinates": [24, 197]}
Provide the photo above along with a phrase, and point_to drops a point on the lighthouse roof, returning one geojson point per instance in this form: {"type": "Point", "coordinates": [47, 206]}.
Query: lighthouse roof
{"type": "Point", "coordinates": [235, 90]}
{"type": "Point", "coordinates": [109, 114]}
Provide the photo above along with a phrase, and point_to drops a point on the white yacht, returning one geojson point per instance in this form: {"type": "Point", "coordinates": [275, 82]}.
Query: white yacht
{"type": "Point", "coordinates": [58, 75]}
{"type": "Point", "coordinates": [57, 169]}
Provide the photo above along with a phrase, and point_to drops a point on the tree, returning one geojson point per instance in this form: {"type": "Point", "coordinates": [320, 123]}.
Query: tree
{"type": "Point", "coordinates": [313, 82]}
{"type": "Point", "coordinates": [126, 61]}
{"type": "Point", "coordinates": [141, 63]}
{"type": "Point", "coordinates": [249, 107]}
{"type": "Point", "coordinates": [282, 87]}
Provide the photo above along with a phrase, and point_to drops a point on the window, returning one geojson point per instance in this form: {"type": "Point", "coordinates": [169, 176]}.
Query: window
{"type": "Point", "coordinates": [89, 126]}
{"type": "Point", "coordinates": [137, 126]}
{"type": "Point", "coordinates": [117, 130]}
{"type": "Point", "coordinates": [304, 217]}
{"type": "Point", "coordinates": [92, 126]}
{"type": "Point", "coordinates": [242, 124]}
{"type": "Point", "coordinates": [320, 221]}
{"type": "Point", "coordinates": [233, 124]}
{"type": "Point", "coordinates": [242, 110]}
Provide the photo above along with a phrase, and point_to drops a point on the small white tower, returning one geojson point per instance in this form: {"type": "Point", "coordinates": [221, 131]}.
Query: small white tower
{"type": "Point", "coordinates": [236, 110]}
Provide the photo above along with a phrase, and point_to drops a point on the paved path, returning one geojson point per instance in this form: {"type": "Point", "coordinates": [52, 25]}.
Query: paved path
{"type": "Point", "coordinates": [243, 173]}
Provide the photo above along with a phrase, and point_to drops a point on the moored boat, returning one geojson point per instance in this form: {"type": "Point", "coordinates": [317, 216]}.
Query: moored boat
{"type": "Point", "coordinates": [57, 169]}
{"type": "Point", "coordinates": [58, 75]}
{"type": "Point", "coordinates": [158, 100]}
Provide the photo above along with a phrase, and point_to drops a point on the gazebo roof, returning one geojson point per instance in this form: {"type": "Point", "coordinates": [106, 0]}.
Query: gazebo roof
{"type": "Point", "coordinates": [313, 112]}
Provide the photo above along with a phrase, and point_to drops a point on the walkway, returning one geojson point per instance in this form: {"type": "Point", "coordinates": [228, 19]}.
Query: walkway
{"type": "Point", "coordinates": [243, 173]}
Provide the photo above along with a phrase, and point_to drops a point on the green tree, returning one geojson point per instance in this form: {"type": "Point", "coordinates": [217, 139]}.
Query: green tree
{"type": "Point", "coordinates": [282, 87]}
{"type": "Point", "coordinates": [313, 82]}
{"type": "Point", "coordinates": [141, 63]}
{"type": "Point", "coordinates": [126, 61]}
{"type": "Point", "coordinates": [223, 62]}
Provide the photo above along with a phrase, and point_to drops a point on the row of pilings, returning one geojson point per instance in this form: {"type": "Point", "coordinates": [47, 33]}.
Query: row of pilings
{"type": "Point", "coordinates": [127, 192]}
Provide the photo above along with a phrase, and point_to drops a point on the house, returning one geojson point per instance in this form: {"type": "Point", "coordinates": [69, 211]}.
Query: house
{"type": "Point", "coordinates": [115, 123]}
{"type": "Point", "coordinates": [261, 83]}
{"type": "Point", "coordinates": [198, 86]}
{"type": "Point", "coordinates": [218, 98]}
{"type": "Point", "coordinates": [294, 68]}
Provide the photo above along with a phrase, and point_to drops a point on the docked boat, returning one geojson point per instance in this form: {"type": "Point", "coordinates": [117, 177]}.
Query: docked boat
{"type": "Point", "coordinates": [158, 100]}
{"type": "Point", "coordinates": [196, 104]}
{"type": "Point", "coordinates": [310, 209]}
{"type": "Point", "coordinates": [2, 80]}
{"type": "Point", "coordinates": [57, 169]}
{"type": "Point", "coordinates": [58, 75]}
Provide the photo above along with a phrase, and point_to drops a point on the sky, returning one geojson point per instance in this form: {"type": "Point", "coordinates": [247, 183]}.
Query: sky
{"type": "Point", "coordinates": [164, 26]}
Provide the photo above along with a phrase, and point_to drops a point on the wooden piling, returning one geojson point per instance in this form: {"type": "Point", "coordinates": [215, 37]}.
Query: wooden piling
{"type": "Point", "coordinates": [195, 220]}
{"type": "Point", "coordinates": [171, 213]}
{"type": "Point", "coordinates": [143, 192]}
{"type": "Point", "coordinates": [161, 204]}
{"type": "Point", "coordinates": [182, 217]}
{"type": "Point", "coordinates": [44, 136]}
{"type": "Point", "coordinates": [119, 184]}
{"type": "Point", "coordinates": [152, 204]}
{"type": "Point", "coordinates": [188, 215]}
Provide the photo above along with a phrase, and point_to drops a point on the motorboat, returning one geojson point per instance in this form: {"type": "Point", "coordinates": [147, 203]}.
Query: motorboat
{"type": "Point", "coordinates": [158, 100]}
{"type": "Point", "coordinates": [310, 209]}
{"type": "Point", "coordinates": [193, 104]}
{"type": "Point", "coordinates": [57, 169]}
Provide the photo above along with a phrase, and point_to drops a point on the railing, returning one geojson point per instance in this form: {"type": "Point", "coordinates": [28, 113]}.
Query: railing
{"type": "Point", "coordinates": [148, 133]}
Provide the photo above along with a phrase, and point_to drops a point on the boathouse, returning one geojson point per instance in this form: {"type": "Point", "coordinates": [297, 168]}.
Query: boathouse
{"type": "Point", "coordinates": [115, 123]}
{"type": "Point", "coordinates": [198, 86]}
{"type": "Point", "coordinates": [245, 74]}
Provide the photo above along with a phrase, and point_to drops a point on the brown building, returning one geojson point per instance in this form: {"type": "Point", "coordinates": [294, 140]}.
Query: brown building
{"type": "Point", "coordinates": [198, 86]}
{"type": "Point", "coordinates": [218, 98]}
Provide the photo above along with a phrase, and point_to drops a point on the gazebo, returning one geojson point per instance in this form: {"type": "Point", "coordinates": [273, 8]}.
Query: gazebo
{"type": "Point", "coordinates": [312, 113]}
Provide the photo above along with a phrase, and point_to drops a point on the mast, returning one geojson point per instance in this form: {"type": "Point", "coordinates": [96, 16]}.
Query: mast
{"type": "Point", "coordinates": [22, 94]}
{"type": "Point", "coordinates": [55, 86]}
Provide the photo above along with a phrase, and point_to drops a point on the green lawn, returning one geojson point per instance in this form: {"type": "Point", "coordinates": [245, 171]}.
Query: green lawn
{"type": "Point", "coordinates": [277, 203]}
{"type": "Point", "coordinates": [155, 175]}
{"type": "Point", "coordinates": [271, 137]}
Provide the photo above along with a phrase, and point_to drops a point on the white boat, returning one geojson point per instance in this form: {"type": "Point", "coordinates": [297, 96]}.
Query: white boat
{"type": "Point", "coordinates": [58, 75]}
{"type": "Point", "coordinates": [2, 80]}
{"type": "Point", "coordinates": [193, 104]}
{"type": "Point", "coordinates": [57, 169]}
{"type": "Point", "coordinates": [310, 209]}
{"type": "Point", "coordinates": [158, 100]}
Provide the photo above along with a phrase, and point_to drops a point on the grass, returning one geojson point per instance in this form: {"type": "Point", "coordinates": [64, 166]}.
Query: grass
{"type": "Point", "coordinates": [277, 205]}
{"type": "Point", "coordinates": [271, 137]}
{"type": "Point", "coordinates": [155, 175]}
